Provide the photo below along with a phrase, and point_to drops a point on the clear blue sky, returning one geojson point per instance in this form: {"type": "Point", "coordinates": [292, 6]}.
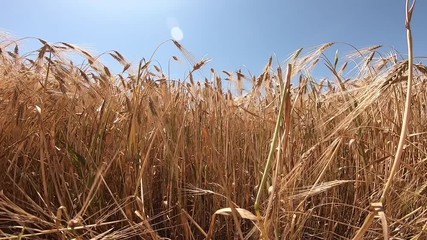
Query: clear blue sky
{"type": "Point", "coordinates": [233, 33]}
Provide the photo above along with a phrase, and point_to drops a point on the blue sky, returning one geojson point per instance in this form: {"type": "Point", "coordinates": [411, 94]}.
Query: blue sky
{"type": "Point", "coordinates": [233, 33]}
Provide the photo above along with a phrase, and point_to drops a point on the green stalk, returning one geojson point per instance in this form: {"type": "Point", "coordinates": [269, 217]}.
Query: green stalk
{"type": "Point", "coordinates": [272, 148]}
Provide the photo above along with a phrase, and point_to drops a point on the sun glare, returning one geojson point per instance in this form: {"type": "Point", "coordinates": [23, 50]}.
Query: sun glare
{"type": "Point", "coordinates": [177, 34]}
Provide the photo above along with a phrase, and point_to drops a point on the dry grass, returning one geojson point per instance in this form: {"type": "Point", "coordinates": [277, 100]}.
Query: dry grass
{"type": "Point", "coordinates": [87, 153]}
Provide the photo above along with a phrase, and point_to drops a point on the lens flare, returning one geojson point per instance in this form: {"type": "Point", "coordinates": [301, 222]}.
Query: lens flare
{"type": "Point", "coordinates": [177, 34]}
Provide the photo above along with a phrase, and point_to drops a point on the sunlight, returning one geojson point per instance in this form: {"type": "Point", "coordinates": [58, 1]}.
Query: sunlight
{"type": "Point", "coordinates": [175, 31]}
{"type": "Point", "coordinates": [177, 34]}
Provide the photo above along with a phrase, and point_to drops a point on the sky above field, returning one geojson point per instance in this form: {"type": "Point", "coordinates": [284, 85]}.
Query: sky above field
{"type": "Point", "coordinates": [234, 34]}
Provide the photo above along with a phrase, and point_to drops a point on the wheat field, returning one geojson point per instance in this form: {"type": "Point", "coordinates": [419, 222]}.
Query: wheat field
{"type": "Point", "coordinates": [87, 153]}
